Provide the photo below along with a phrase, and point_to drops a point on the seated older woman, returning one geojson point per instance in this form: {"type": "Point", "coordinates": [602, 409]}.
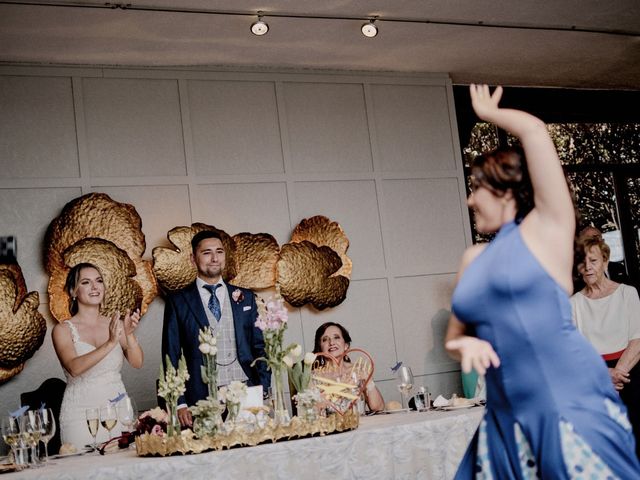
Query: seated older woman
{"type": "Point", "coordinates": [608, 314]}
{"type": "Point", "coordinates": [334, 340]}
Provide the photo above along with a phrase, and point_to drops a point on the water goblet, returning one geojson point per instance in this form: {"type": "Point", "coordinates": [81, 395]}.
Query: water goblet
{"type": "Point", "coordinates": [47, 429]}
{"type": "Point", "coordinates": [93, 423]}
{"type": "Point", "coordinates": [108, 417]}
{"type": "Point", "coordinates": [405, 382]}
{"type": "Point", "coordinates": [127, 413]}
{"type": "Point", "coordinates": [10, 428]}
{"type": "Point", "coordinates": [30, 431]}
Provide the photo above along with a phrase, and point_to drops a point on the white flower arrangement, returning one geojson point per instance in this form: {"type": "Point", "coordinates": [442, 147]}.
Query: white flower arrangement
{"type": "Point", "coordinates": [300, 369]}
{"type": "Point", "coordinates": [308, 397]}
{"type": "Point", "coordinates": [208, 342]}
{"type": "Point", "coordinates": [172, 381]}
{"type": "Point", "coordinates": [209, 369]}
{"type": "Point", "coordinates": [235, 392]}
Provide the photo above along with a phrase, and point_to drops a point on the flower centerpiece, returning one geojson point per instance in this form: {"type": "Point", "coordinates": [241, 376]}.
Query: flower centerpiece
{"type": "Point", "coordinates": [208, 347]}
{"type": "Point", "coordinates": [272, 321]}
{"type": "Point", "coordinates": [300, 377]}
{"type": "Point", "coordinates": [233, 395]}
{"type": "Point", "coordinates": [208, 412]}
{"type": "Point", "coordinates": [171, 385]}
{"type": "Point", "coordinates": [153, 422]}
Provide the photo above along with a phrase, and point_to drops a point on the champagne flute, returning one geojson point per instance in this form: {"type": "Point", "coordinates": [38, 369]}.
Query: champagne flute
{"type": "Point", "coordinates": [108, 417]}
{"type": "Point", "coordinates": [127, 413]}
{"type": "Point", "coordinates": [405, 382]}
{"type": "Point", "coordinates": [93, 423]}
{"type": "Point", "coordinates": [47, 429]}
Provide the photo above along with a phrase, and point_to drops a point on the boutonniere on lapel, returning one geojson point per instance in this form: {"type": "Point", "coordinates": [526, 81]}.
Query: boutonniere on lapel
{"type": "Point", "coordinates": [237, 295]}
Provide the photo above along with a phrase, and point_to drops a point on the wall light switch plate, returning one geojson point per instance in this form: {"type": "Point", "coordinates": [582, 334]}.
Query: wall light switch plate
{"type": "Point", "coordinates": [8, 249]}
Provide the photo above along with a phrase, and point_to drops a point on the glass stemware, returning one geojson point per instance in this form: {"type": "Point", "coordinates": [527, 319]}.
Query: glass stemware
{"type": "Point", "coordinates": [10, 427]}
{"type": "Point", "coordinates": [47, 429]}
{"type": "Point", "coordinates": [30, 431]}
{"type": "Point", "coordinates": [93, 423]}
{"type": "Point", "coordinates": [108, 417]}
{"type": "Point", "coordinates": [127, 413]}
{"type": "Point", "coordinates": [405, 383]}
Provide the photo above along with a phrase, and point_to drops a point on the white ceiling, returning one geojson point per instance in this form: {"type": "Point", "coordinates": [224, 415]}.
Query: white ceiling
{"type": "Point", "coordinates": [603, 50]}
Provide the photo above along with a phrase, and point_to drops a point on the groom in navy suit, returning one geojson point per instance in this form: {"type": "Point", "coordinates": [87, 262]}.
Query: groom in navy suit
{"type": "Point", "coordinates": [228, 310]}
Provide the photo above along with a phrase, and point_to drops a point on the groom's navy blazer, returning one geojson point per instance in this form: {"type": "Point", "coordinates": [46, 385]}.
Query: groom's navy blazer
{"type": "Point", "coordinates": [184, 317]}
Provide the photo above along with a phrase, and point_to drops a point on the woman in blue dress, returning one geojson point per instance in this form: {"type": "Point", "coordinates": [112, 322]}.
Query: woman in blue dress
{"type": "Point", "coordinates": [551, 411]}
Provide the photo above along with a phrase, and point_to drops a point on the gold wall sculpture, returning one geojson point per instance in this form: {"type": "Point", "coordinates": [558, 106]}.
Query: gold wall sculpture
{"type": "Point", "coordinates": [305, 275]}
{"type": "Point", "coordinates": [22, 327]}
{"type": "Point", "coordinates": [320, 231]}
{"type": "Point", "coordinates": [313, 268]}
{"type": "Point", "coordinates": [96, 229]}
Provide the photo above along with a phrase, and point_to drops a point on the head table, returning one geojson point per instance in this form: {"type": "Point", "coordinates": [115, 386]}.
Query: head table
{"type": "Point", "coordinates": [425, 445]}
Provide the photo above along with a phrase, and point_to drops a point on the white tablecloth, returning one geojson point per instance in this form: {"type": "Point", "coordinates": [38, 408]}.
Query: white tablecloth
{"type": "Point", "coordinates": [427, 445]}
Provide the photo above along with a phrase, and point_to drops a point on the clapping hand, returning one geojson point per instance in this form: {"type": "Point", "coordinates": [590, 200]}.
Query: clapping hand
{"type": "Point", "coordinates": [115, 328]}
{"type": "Point", "coordinates": [476, 354]}
{"type": "Point", "coordinates": [484, 103]}
{"type": "Point", "coordinates": [131, 321]}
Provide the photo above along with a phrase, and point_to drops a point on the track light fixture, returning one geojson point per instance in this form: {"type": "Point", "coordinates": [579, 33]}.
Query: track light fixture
{"type": "Point", "coordinates": [259, 28]}
{"type": "Point", "coordinates": [369, 29]}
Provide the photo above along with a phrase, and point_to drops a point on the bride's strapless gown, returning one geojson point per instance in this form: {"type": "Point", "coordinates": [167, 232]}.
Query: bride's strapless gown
{"type": "Point", "coordinates": [93, 389]}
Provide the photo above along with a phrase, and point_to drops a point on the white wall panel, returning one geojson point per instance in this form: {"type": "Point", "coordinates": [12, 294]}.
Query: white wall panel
{"type": "Point", "coordinates": [424, 225]}
{"type": "Point", "coordinates": [420, 314]}
{"type": "Point", "coordinates": [365, 314]}
{"type": "Point", "coordinates": [245, 207]}
{"type": "Point", "coordinates": [412, 128]}
{"type": "Point", "coordinates": [161, 207]}
{"type": "Point", "coordinates": [37, 128]}
{"type": "Point", "coordinates": [133, 127]}
{"type": "Point", "coordinates": [26, 214]}
{"type": "Point", "coordinates": [235, 127]}
{"type": "Point", "coordinates": [327, 127]}
{"type": "Point", "coordinates": [354, 205]}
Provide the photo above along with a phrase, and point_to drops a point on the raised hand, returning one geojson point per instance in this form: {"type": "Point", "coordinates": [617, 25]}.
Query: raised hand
{"type": "Point", "coordinates": [476, 354]}
{"type": "Point", "coordinates": [115, 328]}
{"type": "Point", "coordinates": [484, 103]}
{"type": "Point", "coordinates": [131, 321]}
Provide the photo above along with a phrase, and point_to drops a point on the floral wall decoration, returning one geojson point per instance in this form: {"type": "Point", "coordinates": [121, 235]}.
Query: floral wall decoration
{"type": "Point", "coordinates": [96, 229]}
{"type": "Point", "coordinates": [312, 268]}
{"type": "Point", "coordinates": [22, 327]}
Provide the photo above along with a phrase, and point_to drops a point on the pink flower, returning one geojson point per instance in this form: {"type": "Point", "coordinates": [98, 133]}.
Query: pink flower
{"type": "Point", "coordinates": [157, 430]}
{"type": "Point", "coordinates": [237, 295]}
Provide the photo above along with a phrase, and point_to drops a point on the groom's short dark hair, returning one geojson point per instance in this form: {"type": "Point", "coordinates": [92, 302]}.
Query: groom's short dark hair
{"type": "Point", "coordinates": [203, 235]}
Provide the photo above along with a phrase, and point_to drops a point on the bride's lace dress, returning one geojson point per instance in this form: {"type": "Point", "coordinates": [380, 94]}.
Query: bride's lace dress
{"type": "Point", "coordinates": [93, 389]}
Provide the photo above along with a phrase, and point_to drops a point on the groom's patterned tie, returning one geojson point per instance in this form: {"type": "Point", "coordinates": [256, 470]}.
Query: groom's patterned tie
{"type": "Point", "coordinates": [214, 303]}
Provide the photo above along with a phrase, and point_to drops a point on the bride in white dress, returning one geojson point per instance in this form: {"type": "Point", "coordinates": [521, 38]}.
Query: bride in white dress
{"type": "Point", "coordinates": [91, 349]}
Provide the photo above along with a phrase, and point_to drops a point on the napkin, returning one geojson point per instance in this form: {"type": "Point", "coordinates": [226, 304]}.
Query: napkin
{"type": "Point", "coordinates": [253, 398]}
{"type": "Point", "coordinates": [440, 401]}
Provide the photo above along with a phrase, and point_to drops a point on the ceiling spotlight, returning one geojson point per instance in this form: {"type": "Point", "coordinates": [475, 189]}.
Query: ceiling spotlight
{"type": "Point", "coordinates": [369, 29]}
{"type": "Point", "coordinates": [259, 28]}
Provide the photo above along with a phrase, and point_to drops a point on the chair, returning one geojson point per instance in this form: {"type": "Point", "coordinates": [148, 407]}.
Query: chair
{"type": "Point", "coordinates": [50, 393]}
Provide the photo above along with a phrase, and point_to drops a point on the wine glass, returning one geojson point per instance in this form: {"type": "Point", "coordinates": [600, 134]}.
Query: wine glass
{"type": "Point", "coordinates": [93, 423]}
{"type": "Point", "coordinates": [30, 431]}
{"type": "Point", "coordinates": [10, 428]}
{"type": "Point", "coordinates": [405, 382]}
{"type": "Point", "coordinates": [47, 429]}
{"type": "Point", "coordinates": [127, 413]}
{"type": "Point", "coordinates": [108, 417]}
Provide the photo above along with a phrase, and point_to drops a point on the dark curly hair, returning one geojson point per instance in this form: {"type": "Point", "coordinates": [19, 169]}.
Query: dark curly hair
{"type": "Point", "coordinates": [502, 170]}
